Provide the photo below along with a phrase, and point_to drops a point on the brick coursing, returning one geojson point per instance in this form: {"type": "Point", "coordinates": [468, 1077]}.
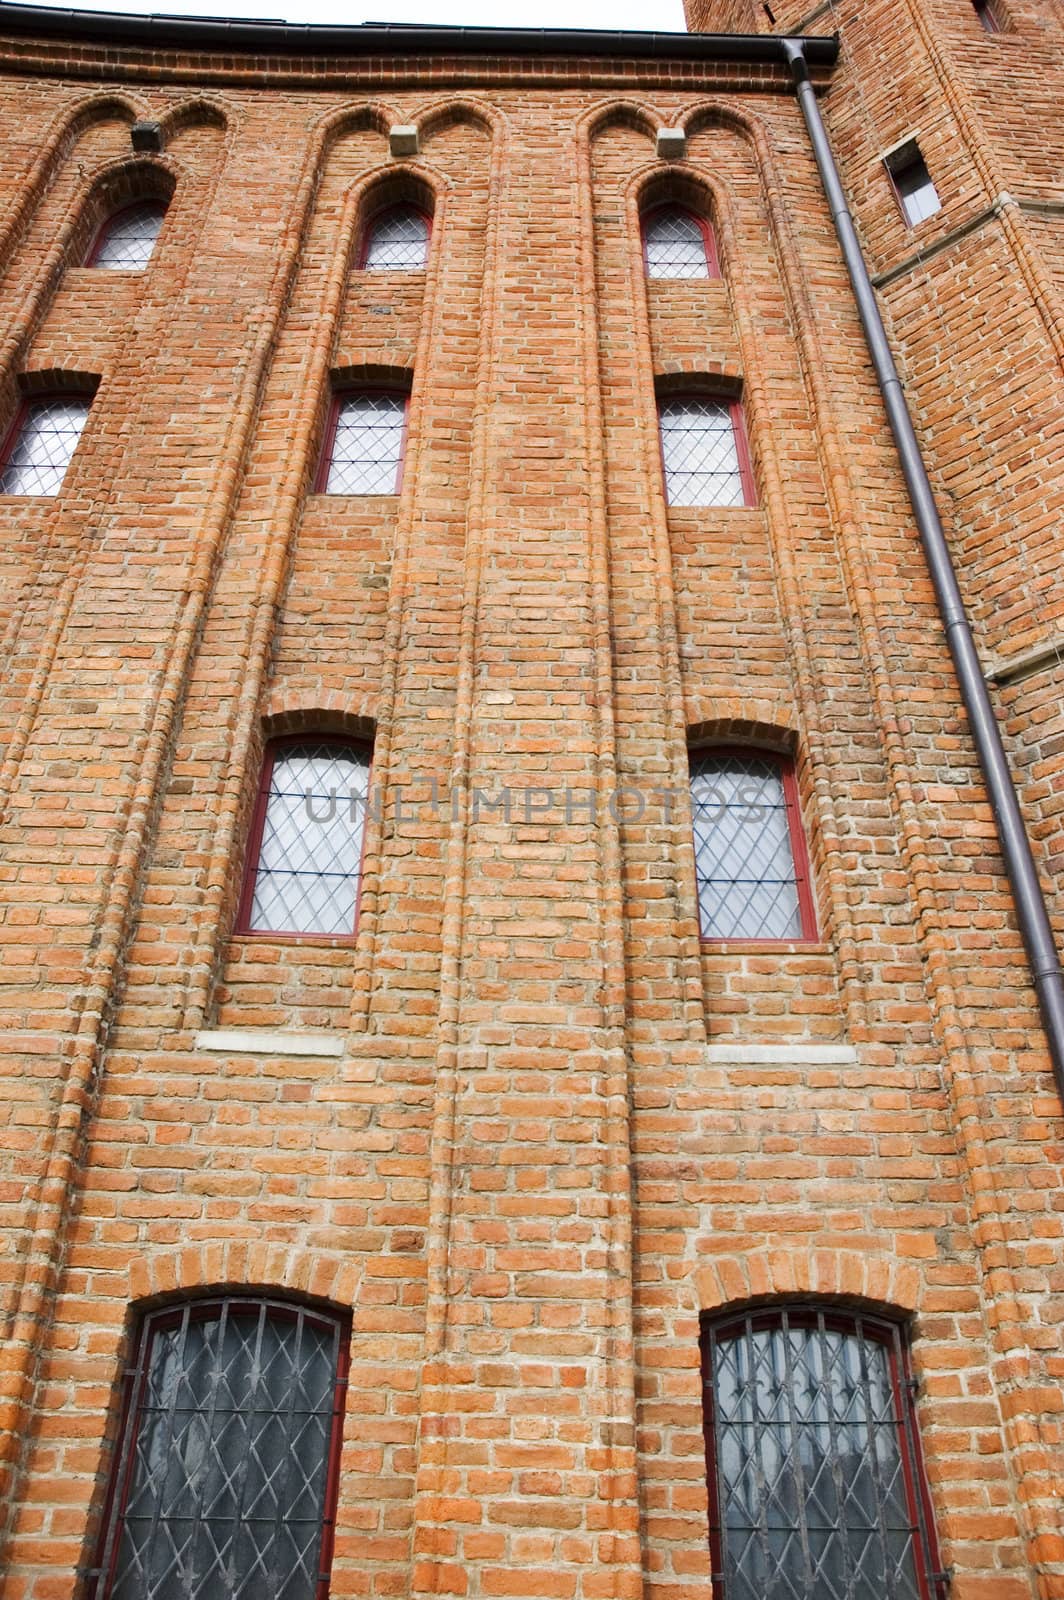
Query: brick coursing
{"type": "Point", "coordinates": [548, 1146]}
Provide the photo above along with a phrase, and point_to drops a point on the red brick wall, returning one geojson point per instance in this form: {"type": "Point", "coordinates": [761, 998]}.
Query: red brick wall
{"type": "Point", "coordinates": [560, 1127]}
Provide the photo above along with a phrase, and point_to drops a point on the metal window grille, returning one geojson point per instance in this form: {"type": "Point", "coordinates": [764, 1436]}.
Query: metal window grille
{"type": "Point", "coordinates": [225, 1481]}
{"type": "Point", "coordinates": [700, 449]}
{"type": "Point", "coordinates": [305, 860]}
{"type": "Point", "coordinates": [45, 437]}
{"type": "Point", "coordinates": [127, 239]}
{"type": "Point", "coordinates": [398, 241]}
{"type": "Point", "coordinates": [816, 1482]}
{"type": "Point", "coordinates": [675, 245]}
{"type": "Point", "coordinates": [367, 444]}
{"type": "Point", "coordinates": [748, 843]}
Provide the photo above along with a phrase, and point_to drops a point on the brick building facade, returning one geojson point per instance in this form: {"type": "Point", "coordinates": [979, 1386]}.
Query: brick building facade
{"type": "Point", "coordinates": [530, 1134]}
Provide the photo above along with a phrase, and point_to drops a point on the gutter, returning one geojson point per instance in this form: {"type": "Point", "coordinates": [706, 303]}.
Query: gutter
{"type": "Point", "coordinates": [275, 38]}
{"type": "Point", "coordinates": [1031, 912]}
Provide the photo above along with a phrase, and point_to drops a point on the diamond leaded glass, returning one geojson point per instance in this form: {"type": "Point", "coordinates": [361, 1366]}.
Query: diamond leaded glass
{"type": "Point", "coordinates": [814, 1496]}
{"type": "Point", "coordinates": [47, 438]}
{"type": "Point", "coordinates": [398, 241]}
{"type": "Point", "coordinates": [222, 1487]}
{"type": "Point", "coordinates": [675, 245]}
{"type": "Point", "coordinates": [128, 239]}
{"type": "Point", "coordinates": [310, 855]}
{"type": "Point", "coordinates": [701, 453]}
{"type": "Point", "coordinates": [367, 444]}
{"type": "Point", "coordinates": [744, 862]}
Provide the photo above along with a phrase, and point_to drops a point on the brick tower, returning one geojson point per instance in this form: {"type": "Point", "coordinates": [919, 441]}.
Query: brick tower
{"type": "Point", "coordinates": [520, 1069]}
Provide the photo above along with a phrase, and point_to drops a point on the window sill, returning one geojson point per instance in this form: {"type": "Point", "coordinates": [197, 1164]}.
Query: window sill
{"type": "Point", "coordinates": [775, 947]}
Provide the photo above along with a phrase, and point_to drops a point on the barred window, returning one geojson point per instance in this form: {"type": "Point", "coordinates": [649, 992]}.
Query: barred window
{"type": "Point", "coordinates": [677, 244]}
{"type": "Point", "coordinates": [127, 239]}
{"type": "Point", "coordinates": [227, 1462]}
{"type": "Point", "coordinates": [816, 1489]}
{"type": "Point", "coordinates": [703, 447]}
{"type": "Point", "coordinates": [41, 443]}
{"type": "Point", "coordinates": [751, 865]}
{"type": "Point", "coordinates": [364, 443]}
{"type": "Point", "coordinates": [305, 853]}
{"type": "Point", "coordinates": [397, 240]}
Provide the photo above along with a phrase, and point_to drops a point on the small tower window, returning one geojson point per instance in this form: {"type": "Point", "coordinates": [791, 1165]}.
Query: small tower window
{"type": "Point", "coordinates": [989, 16]}
{"type": "Point", "coordinates": [916, 193]}
{"type": "Point", "coordinates": [816, 1483]}
{"type": "Point", "coordinates": [704, 451]}
{"type": "Point", "coordinates": [397, 240]}
{"type": "Point", "coordinates": [305, 853]}
{"type": "Point", "coordinates": [41, 443]}
{"type": "Point", "coordinates": [127, 239]}
{"type": "Point", "coordinates": [364, 443]}
{"type": "Point", "coordinates": [751, 866]}
{"type": "Point", "coordinates": [677, 244]}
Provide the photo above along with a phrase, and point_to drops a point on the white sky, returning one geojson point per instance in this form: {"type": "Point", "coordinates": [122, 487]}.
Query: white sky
{"type": "Point", "coordinates": [666, 16]}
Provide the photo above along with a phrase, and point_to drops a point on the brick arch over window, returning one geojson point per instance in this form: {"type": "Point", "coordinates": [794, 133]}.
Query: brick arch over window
{"type": "Point", "coordinates": [289, 712]}
{"type": "Point", "coordinates": [444, 114]}
{"type": "Point", "coordinates": [240, 1265]}
{"type": "Point", "coordinates": [877, 1280]}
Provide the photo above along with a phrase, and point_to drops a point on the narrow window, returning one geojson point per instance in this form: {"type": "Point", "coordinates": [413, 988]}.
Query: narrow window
{"type": "Point", "coordinates": [397, 240]}
{"type": "Point", "coordinates": [989, 16]}
{"type": "Point", "coordinates": [41, 442]}
{"type": "Point", "coordinates": [916, 193]}
{"type": "Point", "coordinates": [127, 239]}
{"type": "Point", "coordinates": [227, 1462]}
{"type": "Point", "coordinates": [677, 244]}
{"type": "Point", "coordinates": [751, 865]}
{"type": "Point", "coordinates": [305, 852]}
{"type": "Point", "coordinates": [816, 1485]}
{"type": "Point", "coordinates": [364, 442]}
{"type": "Point", "coordinates": [703, 446]}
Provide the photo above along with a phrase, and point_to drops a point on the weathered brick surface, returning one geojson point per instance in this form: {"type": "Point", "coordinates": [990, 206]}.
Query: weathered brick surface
{"type": "Point", "coordinates": [544, 1150]}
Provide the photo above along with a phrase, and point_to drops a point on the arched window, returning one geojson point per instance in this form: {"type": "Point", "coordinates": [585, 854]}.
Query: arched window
{"type": "Point", "coordinates": [126, 240]}
{"type": "Point", "coordinates": [397, 240]}
{"type": "Point", "coordinates": [816, 1484]}
{"type": "Point", "coordinates": [677, 244]}
{"type": "Point", "coordinates": [41, 442]}
{"type": "Point", "coordinates": [364, 441]}
{"type": "Point", "coordinates": [304, 863]}
{"type": "Point", "coordinates": [704, 452]}
{"type": "Point", "coordinates": [751, 865]}
{"type": "Point", "coordinates": [227, 1461]}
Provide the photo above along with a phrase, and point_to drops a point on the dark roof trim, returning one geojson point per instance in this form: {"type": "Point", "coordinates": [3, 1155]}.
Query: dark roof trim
{"type": "Point", "coordinates": [395, 39]}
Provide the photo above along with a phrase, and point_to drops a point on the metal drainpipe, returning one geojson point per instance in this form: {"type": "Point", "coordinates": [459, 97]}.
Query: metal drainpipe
{"type": "Point", "coordinates": [1012, 834]}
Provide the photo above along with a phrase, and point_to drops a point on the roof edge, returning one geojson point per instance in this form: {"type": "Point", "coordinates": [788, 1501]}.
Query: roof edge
{"type": "Point", "coordinates": [115, 28]}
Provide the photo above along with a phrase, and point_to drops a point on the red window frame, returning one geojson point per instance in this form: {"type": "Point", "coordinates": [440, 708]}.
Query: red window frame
{"type": "Point", "coordinates": [112, 216]}
{"type": "Point", "coordinates": [709, 241]}
{"type": "Point", "coordinates": [22, 411]}
{"type": "Point", "coordinates": [258, 825]}
{"type": "Point", "coordinates": [349, 391]}
{"type": "Point", "coordinates": [375, 218]}
{"type": "Point", "coordinates": [134, 1384]}
{"type": "Point", "coordinates": [803, 877]}
{"type": "Point", "coordinates": [932, 1581]}
{"type": "Point", "coordinates": [742, 445]}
